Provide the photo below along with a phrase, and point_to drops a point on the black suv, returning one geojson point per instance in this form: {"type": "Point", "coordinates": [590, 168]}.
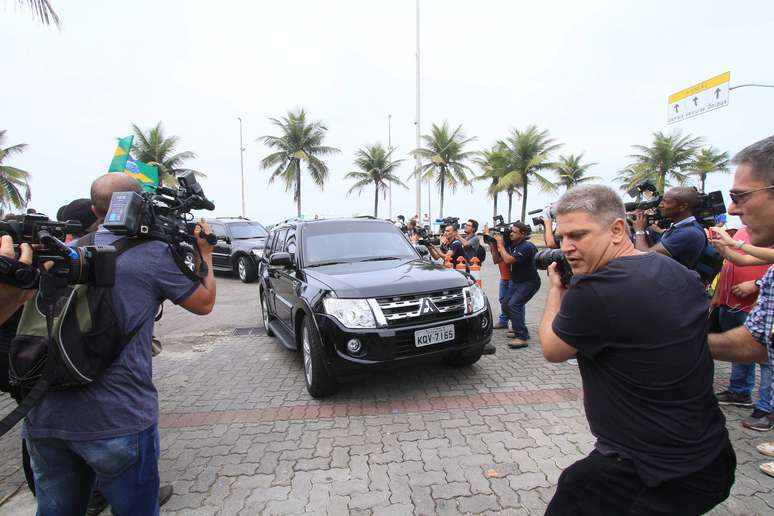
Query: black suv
{"type": "Point", "coordinates": [353, 294]}
{"type": "Point", "coordinates": [240, 246]}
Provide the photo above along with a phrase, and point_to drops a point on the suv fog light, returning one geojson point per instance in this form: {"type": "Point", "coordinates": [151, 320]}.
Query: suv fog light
{"type": "Point", "coordinates": [484, 322]}
{"type": "Point", "coordinates": [354, 346]}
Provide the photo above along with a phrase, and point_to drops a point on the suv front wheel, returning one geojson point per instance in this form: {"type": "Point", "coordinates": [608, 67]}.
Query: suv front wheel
{"type": "Point", "coordinates": [319, 382]}
{"type": "Point", "coordinates": [246, 269]}
{"type": "Point", "coordinates": [265, 315]}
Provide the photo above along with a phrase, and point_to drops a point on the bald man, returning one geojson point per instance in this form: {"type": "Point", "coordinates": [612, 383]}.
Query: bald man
{"type": "Point", "coordinates": [102, 190]}
{"type": "Point", "coordinates": [685, 239]}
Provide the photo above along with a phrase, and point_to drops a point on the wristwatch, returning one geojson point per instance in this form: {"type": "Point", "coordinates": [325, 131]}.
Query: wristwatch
{"type": "Point", "coordinates": [639, 233]}
{"type": "Point", "coordinates": [759, 283]}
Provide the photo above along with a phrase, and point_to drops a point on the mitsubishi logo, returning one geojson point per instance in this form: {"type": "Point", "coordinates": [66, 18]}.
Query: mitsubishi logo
{"type": "Point", "coordinates": [426, 306]}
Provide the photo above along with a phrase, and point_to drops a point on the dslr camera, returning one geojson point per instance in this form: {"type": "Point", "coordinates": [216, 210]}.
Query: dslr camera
{"type": "Point", "coordinates": [71, 265]}
{"type": "Point", "coordinates": [164, 215]}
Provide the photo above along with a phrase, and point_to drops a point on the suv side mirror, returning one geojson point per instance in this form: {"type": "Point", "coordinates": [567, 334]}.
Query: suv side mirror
{"type": "Point", "coordinates": [281, 260]}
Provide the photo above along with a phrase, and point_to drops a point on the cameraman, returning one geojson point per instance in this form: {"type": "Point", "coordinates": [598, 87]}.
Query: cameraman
{"type": "Point", "coordinates": [108, 430]}
{"type": "Point", "coordinates": [662, 445]}
{"type": "Point", "coordinates": [519, 254]}
{"type": "Point", "coordinates": [685, 239]}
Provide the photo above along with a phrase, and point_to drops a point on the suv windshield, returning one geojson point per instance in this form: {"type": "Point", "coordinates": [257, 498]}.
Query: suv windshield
{"type": "Point", "coordinates": [247, 230]}
{"type": "Point", "coordinates": [354, 242]}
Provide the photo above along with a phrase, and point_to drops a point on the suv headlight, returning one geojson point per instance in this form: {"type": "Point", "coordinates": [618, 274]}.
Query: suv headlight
{"type": "Point", "coordinates": [475, 300]}
{"type": "Point", "coordinates": [352, 313]}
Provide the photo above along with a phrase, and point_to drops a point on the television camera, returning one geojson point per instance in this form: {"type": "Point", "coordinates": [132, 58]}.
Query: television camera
{"type": "Point", "coordinates": [164, 215]}
{"type": "Point", "coordinates": [69, 265]}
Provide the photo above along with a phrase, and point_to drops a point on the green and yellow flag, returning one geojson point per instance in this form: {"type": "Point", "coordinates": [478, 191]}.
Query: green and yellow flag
{"type": "Point", "coordinates": [121, 155]}
{"type": "Point", "coordinates": [147, 175]}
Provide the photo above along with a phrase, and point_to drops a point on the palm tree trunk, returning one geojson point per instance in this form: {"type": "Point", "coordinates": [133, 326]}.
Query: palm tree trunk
{"type": "Point", "coordinates": [524, 198]}
{"type": "Point", "coordinates": [443, 184]}
{"type": "Point", "coordinates": [510, 204]}
{"type": "Point", "coordinates": [494, 210]}
{"type": "Point", "coordinates": [703, 178]}
{"type": "Point", "coordinates": [298, 189]}
{"type": "Point", "coordinates": [376, 199]}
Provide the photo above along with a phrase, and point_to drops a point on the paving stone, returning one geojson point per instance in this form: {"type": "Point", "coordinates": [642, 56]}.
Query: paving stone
{"type": "Point", "coordinates": [478, 503]}
{"type": "Point", "coordinates": [427, 479]}
{"type": "Point", "coordinates": [450, 490]}
{"type": "Point", "coordinates": [368, 500]}
{"type": "Point", "coordinates": [422, 499]}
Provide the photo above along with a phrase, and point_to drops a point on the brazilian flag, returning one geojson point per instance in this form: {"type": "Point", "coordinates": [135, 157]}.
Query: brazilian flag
{"type": "Point", "coordinates": [147, 175]}
{"type": "Point", "coordinates": [121, 155]}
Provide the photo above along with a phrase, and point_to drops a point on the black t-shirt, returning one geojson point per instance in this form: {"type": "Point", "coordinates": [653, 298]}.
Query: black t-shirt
{"type": "Point", "coordinates": [456, 248]}
{"type": "Point", "coordinates": [523, 269]}
{"type": "Point", "coordinates": [639, 325]}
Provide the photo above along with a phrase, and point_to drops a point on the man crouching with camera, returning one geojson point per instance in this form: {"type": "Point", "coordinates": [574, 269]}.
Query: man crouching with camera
{"type": "Point", "coordinates": [107, 431]}
{"type": "Point", "coordinates": [637, 324]}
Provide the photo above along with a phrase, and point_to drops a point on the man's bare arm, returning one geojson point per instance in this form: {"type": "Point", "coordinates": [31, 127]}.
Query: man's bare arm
{"type": "Point", "coordinates": [737, 345]}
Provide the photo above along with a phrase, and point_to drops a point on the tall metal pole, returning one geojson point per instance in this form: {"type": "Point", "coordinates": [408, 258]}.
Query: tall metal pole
{"type": "Point", "coordinates": [389, 149]}
{"type": "Point", "coordinates": [417, 125]}
{"type": "Point", "coordinates": [242, 164]}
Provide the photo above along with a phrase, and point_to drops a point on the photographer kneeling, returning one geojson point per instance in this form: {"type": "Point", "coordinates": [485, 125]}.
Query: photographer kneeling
{"type": "Point", "coordinates": [108, 430]}
{"type": "Point", "coordinates": [637, 324]}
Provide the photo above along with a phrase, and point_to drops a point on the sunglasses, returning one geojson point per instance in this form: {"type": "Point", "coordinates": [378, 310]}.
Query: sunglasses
{"type": "Point", "coordinates": [738, 197]}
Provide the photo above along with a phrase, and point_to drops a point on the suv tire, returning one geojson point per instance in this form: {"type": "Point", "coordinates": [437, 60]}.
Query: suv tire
{"type": "Point", "coordinates": [265, 316]}
{"type": "Point", "coordinates": [245, 269]}
{"type": "Point", "coordinates": [319, 382]}
{"type": "Point", "coordinates": [463, 360]}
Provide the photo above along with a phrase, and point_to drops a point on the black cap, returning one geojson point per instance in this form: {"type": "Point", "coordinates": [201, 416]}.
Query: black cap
{"type": "Point", "coordinates": [80, 210]}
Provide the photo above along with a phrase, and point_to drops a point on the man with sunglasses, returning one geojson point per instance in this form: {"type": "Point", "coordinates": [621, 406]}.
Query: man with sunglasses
{"type": "Point", "coordinates": [752, 199]}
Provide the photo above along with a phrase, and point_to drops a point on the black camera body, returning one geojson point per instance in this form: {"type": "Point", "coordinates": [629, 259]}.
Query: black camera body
{"type": "Point", "coordinates": [71, 265]}
{"type": "Point", "coordinates": [539, 220]}
{"type": "Point", "coordinates": [499, 226]}
{"type": "Point", "coordinates": [164, 215]}
{"type": "Point", "coordinates": [545, 257]}
{"type": "Point", "coordinates": [449, 221]}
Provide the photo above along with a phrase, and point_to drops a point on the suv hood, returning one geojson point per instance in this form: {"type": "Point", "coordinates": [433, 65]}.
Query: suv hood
{"type": "Point", "coordinates": [388, 278]}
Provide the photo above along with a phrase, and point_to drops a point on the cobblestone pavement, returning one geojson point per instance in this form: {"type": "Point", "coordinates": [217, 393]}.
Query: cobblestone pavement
{"type": "Point", "coordinates": [240, 435]}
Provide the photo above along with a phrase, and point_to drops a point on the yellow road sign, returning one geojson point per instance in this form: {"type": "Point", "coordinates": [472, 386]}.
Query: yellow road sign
{"type": "Point", "coordinates": [699, 98]}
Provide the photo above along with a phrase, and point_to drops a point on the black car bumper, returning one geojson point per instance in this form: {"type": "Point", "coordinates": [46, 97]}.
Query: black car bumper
{"type": "Point", "coordinates": [387, 346]}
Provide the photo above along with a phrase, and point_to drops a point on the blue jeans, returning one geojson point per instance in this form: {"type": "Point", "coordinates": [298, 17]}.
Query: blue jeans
{"type": "Point", "coordinates": [127, 469]}
{"type": "Point", "coordinates": [517, 297]}
{"type": "Point", "coordinates": [504, 286]}
{"type": "Point", "coordinates": [743, 375]}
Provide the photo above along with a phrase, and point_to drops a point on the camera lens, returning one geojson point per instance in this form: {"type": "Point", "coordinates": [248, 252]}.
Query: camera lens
{"type": "Point", "coordinates": [546, 257]}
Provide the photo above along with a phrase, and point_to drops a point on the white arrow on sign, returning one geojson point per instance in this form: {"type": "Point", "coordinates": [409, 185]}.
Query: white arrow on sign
{"type": "Point", "coordinates": [699, 98]}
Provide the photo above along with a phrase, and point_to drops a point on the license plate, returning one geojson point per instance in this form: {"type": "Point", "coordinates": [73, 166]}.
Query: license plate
{"type": "Point", "coordinates": [434, 335]}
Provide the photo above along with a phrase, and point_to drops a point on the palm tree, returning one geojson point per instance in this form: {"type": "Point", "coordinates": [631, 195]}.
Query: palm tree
{"type": "Point", "coordinates": [571, 172]}
{"type": "Point", "coordinates": [669, 157]}
{"type": "Point", "coordinates": [511, 185]}
{"type": "Point", "coordinates": [14, 182]}
{"type": "Point", "coordinates": [155, 148]}
{"type": "Point", "coordinates": [445, 158]}
{"type": "Point", "coordinates": [528, 154]}
{"type": "Point", "coordinates": [376, 166]}
{"type": "Point", "coordinates": [635, 174]}
{"type": "Point", "coordinates": [707, 161]}
{"type": "Point", "coordinates": [42, 10]}
{"type": "Point", "coordinates": [300, 141]}
{"type": "Point", "coordinates": [492, 162]}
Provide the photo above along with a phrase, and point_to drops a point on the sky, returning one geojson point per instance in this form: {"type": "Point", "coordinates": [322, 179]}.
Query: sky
{"type": "Point", "coordinates": [595, 74]}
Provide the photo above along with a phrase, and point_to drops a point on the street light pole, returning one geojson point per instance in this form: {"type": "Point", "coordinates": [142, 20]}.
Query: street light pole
{"type": "Point", "coordinates": [242, 164]}
{"type": "Point", "coordinates": [417, 126]}
{"type": "Point", "coordinates": [389, 150]}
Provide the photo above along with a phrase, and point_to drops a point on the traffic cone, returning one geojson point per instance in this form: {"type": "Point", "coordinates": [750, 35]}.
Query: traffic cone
{"type": "Point", "coordinates": [461, 265]}
{"type": "Point", "coordinates": [475, 270]}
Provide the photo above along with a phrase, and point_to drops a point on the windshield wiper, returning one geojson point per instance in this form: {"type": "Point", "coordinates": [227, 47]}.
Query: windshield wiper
{"type": "Point", "coordinates": [383, 258]}
{"type": "Point", "coordinates": [321, 264]}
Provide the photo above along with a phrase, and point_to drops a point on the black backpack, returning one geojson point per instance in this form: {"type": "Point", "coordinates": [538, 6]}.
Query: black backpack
{"type": "Point", "coordinates": [70, 347]}
{"type": "Point", "coordinates": [481, 253]}
{"type": "Point", "coordinates": [710, 261]}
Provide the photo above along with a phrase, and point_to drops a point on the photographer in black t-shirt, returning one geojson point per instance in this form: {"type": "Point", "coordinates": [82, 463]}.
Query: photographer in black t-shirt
{"type": "Point", "coordinates": [636, 323]}
{"type": "Point", "coordinates": [450, 248]}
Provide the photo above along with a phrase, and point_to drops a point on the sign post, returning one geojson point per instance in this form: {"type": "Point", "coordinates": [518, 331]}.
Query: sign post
{"type": "Point", "coordinates": [699, 98]}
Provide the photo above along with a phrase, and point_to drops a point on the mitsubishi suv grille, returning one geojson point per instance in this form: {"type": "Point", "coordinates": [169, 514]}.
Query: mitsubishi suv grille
{"type": "Point", "coordinates": [408, 310]}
